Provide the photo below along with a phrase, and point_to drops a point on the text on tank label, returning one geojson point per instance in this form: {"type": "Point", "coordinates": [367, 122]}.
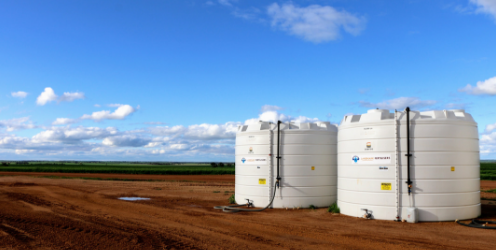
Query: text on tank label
{"type": "Point", "coordinates": [371, 159]}
{"type": "Point", "coordinates": [254, 160]}
{"type": "Point", "coordinates": [261, 181]}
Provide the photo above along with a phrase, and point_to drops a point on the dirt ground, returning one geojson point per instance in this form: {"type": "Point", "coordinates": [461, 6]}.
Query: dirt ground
{"type": "Point", "coordinates": [41, 213]}
{"type": "Point", "coordinates": [210, 178]}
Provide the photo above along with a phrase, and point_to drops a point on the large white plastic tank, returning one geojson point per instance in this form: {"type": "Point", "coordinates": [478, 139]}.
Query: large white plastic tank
{"type": "Point", "coordinates": [444, 167]}
{"type": "Point", "coordinates": [307, 167]}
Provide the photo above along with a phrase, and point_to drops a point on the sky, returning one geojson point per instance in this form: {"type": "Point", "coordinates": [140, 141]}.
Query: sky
{"type": "Point", "coordinates": [172, 80]}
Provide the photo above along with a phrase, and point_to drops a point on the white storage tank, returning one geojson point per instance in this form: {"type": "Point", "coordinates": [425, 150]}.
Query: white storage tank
{"type": "Point", "coordinates": [307, 165]}
{"type": "Point", "coordinates": [444, 165]}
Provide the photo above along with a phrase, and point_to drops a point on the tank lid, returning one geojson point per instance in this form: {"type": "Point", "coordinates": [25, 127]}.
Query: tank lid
{"type": "Point", "coordinates": [295, 125]}
{"type": "Point", "coordinates": [377, 111]}
{"type": "Point", "coordinates": [378, 115]}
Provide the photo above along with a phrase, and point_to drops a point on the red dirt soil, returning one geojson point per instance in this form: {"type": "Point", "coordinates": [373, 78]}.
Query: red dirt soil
{"type": "Point", "coordinates": [221, 178]}
{"type": "Point", "coordinates": [39, 213]}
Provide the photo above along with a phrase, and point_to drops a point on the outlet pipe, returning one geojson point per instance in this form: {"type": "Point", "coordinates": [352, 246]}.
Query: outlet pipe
{"type": "Point", "coordinates": [408, 154]}
{"type": "Point", "coordinates": [235, 209]}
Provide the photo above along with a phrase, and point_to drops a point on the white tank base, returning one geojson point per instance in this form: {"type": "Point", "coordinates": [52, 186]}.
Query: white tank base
{"type": "Point", "coordinates": [288, 202]}
{"type": "Point", "coordinates": [424, 213]}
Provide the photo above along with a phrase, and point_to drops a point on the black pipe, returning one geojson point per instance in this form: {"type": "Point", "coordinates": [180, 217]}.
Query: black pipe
{"type": "Point", "coordinates": [408, 182]}
{"type": "Point", "coordinates": [278, 151]}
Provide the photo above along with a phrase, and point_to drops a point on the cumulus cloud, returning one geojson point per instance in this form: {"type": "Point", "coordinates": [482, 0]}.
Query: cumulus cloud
{"type": "Point", "coordinates": [314, 23]}
{"type": "Point", "coordinates": [194, 142]}
{"type": "Point", "coordinates": [274, 116]}
{"type": "Point", "coordinates": [115, 105]}
{"type": "Point", "coordinates": [490, 127]}
{"type": "Point", "coordinates": [488, 141]}
{"type": "Point", "coordinates": [198, 131]}
{"type": "Point", "coordinates": [126, 141]}
{"type": "Point", "coordinates": [17, 124]}
{"type": "Point", "coordinates": [120, 113]}
{"type": "Point", "coordinates": [73, 135]}
{"type": "Point", "coordinates": [226, 2]}
{"type": "Point", "coordinates": [19, 94]}
{"type": "Point", "coordinates": [399, 103]}
{"type": "Point", "coordinates": [485, 6]}
{"type": "Point", "coordinates": [487, 87]}
{"type": "Point", "coordinates": [69, 97]}
{"type": "Point", "coordinates": [48, 95]}
{"type": "Point", "coordinates": [270, 108]}
{"type": "Point", "coordinates": [63, 121]}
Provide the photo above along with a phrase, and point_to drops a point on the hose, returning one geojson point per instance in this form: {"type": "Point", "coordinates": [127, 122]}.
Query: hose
{"type": "Point", "coordinates": [233, 209]}
{"type": "Point", "coordinates": [484, 224]}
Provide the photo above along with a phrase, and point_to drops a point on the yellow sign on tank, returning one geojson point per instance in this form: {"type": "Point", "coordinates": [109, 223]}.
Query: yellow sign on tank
{"type": "Point", "coordinates": [385, 186]}
{"type": "Point", "coordinates": [261, 181]}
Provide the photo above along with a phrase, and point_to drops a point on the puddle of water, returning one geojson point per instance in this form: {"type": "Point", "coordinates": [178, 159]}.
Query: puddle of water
{"type": "Point", "coordinates": [134, 199]}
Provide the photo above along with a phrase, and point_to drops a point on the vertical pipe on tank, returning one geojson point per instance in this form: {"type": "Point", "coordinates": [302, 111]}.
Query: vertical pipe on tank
{"type": "Point", "coordinates": [271, 165]}
{"type": "Point", "coordinates": [278, 151]}
{"type": "Point", "coordinates": [397, 184]}
{"type": "Point", "coordinates": [408, 155]}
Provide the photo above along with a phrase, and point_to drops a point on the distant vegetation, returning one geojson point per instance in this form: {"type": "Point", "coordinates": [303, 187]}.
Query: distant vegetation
{"type": "Point", "coordinates": [488, 170]}
{"type": "Point", "coordinates": [120, 167]}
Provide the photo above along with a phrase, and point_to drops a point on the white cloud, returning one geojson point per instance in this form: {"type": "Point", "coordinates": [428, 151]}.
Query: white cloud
{"type": "Point", "coordinates": [48, 95]}
{"type": "Point", "coordinates": [23, 151]}
{"type": "Point", "coordinates": [120, 113]}
{"type": "Point", "coordinates": [97, 105]}
{"type": "Point", "coordinates": [198, 131]}
{"type": "Point", "coordinates": [193, 142]}
{"type": "Point", "coordinates": [17, 124]}
{"type": "Point", "coordinates": [115, 105]}
{"type": "Point", "coordinates": [270, 108]}
{"type": "Point", "coordinates": [226, 2]}
{"type": "Point", "coordinates": [456, 106]}
{"type": "Point", "coordinates": [314, 23]}
{"type": "Point", "coordinates": [62, 121]}
{"type": "Point", "coordinates": [487, 87]}
{"type": "Point", "coordinates": [19, 94]}
{"type": "Point", "coordinates": [490, 127]}
{"type": "Point", "coordinates": [69, 97]}
{"type": "Point", "coordinates": [274, 116]}
{"type": "Point", "coordinates": [126, 141]}
{"type": "Point", "coordinates": [399, 103]}
{"type": "Point", "coordinates": [73, 135]}
{"type": "Point", "coordinates": [485, 6]}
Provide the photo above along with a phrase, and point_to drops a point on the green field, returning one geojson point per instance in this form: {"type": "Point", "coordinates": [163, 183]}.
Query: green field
{"type": "Point", "coordinates": [488, 169]}
{"type": "Point", "coordinates": [118, 168]}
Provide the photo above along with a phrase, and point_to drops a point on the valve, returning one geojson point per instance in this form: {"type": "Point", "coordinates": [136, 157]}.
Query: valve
{"type": "Point", "coordinates": [248, 203]}
{"type": "Point", "coordinates": [368, 213]}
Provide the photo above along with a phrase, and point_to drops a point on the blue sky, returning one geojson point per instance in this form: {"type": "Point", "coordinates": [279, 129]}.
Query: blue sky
{"type": "Point", "coordinates": [172, 80]}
